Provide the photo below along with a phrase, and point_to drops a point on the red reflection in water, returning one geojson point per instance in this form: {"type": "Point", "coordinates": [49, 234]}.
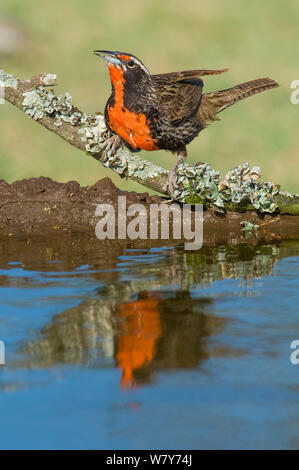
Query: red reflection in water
{"type": "Point", "coordinates": [140, 328]}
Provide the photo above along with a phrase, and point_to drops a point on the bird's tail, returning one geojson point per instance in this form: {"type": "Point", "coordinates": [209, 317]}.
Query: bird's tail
{"type": "Point", "coordinates": [214, 103]}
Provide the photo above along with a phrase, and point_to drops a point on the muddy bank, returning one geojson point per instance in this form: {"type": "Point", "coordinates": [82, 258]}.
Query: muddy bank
{"type": "Point", "coordinates": [43, 207]}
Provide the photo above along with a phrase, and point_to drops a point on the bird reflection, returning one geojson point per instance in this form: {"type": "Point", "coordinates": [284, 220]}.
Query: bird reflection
{"type": "Point", "coordinates": [154, 320]}
{"type": "Point", "coordinates": [140, 328]}
{"type": "Point", "coordinates": [161, 330]}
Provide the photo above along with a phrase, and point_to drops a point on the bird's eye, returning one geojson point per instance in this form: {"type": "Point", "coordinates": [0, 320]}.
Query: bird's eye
{"type": "Point", "coordinates": [131, 64]}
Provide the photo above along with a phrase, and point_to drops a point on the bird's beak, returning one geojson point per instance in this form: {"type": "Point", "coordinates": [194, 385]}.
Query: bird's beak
{"type": "Point", "coordinates": [109, 56]}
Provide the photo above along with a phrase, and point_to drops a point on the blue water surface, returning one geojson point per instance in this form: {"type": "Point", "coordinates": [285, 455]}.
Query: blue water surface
{"type": "Point", "coordinates": [164, 349]}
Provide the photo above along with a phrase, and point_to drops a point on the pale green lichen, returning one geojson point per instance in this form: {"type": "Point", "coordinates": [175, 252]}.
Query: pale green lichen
{"type": "Point", "coordinates": [143, 169]}
{"type": "Point", "coordinates": [7, 80]}
{"type": "Point", "coordinates": [126, 164]}
{"type": "Point", "coordinates": [201, 183]}
{"type": "Point", "coordinates": [198, 182]}
{"type": "Point", "coordinates": [41, 102]}
{"type": "Point", "coordinates": [95, 134]}
{"type": "Point", "coordinates": [287, 194]}
{"type": "Point", "coordinates": [117, 162]}
{"type": "Point", "coordinates": [49, 79]}
{"type": "Point", "coordinates": [241, 184]}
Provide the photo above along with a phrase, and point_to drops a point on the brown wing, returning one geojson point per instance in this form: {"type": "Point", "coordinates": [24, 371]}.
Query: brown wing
{"type": "Point", "coordinates": [185, 75]}
{"type": "Point", "coordinates": [180, 93]}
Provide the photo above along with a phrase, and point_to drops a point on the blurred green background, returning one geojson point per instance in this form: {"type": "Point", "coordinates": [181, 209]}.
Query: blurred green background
{"type": "Point", "coordinates": [255, 39]}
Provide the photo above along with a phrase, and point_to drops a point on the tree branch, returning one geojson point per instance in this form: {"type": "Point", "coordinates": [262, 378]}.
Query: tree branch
{"type": "Point", "coordinates": [239, 190]}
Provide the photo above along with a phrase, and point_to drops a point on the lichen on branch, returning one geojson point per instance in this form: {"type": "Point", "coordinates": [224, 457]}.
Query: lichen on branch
{"type": "Point", "coordinates": [239, 190]}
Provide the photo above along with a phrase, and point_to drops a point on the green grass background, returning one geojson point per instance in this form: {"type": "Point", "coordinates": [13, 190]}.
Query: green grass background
{"type": "Point", "coordinates": [255, 39]}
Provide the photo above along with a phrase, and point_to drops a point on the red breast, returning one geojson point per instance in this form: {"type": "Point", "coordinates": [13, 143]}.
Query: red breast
{"type": "Point", "coordinates": [131, 127]}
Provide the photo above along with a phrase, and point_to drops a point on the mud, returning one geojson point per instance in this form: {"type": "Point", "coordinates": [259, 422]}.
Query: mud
{"type": "Point", "coordinates": [39, 207]}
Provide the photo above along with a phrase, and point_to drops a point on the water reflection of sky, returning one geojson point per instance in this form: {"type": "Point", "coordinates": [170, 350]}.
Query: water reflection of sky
{"type": "Point", "coordinates": [160, 349]}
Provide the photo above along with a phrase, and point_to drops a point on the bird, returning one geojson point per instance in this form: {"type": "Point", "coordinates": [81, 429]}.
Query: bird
{"type": "Point", "coordinates": [164, 111]}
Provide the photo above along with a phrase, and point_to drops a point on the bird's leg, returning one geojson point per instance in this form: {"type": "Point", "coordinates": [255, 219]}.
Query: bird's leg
{"type": "Point", "coordinates": [171, 184]}
{"type": "Point", "coordinates": [112, 144]}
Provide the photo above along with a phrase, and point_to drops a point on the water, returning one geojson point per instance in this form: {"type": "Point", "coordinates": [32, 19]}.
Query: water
{"type": "Point", "coordinates": [121, 348]}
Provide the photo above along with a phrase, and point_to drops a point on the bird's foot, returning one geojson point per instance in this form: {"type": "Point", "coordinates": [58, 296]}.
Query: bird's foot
{"type": "Point", "coordinates": [111, 145]}
{"type": "Point", "coordinates": [171, 184]}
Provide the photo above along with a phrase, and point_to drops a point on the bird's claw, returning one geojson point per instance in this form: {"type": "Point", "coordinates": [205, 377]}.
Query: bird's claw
{"type": "Point", "coordinates": [111, 145]}
{"type": "Point", "coordinates": [170, 184]}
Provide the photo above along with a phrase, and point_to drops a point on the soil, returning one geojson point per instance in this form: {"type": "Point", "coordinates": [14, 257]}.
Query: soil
{"type": "Point", "coordinates": [43, 207]}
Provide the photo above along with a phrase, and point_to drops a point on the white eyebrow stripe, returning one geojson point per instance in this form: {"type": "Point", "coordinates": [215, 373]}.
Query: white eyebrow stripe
{"type": "Point", "coordinates": [141, 65]}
